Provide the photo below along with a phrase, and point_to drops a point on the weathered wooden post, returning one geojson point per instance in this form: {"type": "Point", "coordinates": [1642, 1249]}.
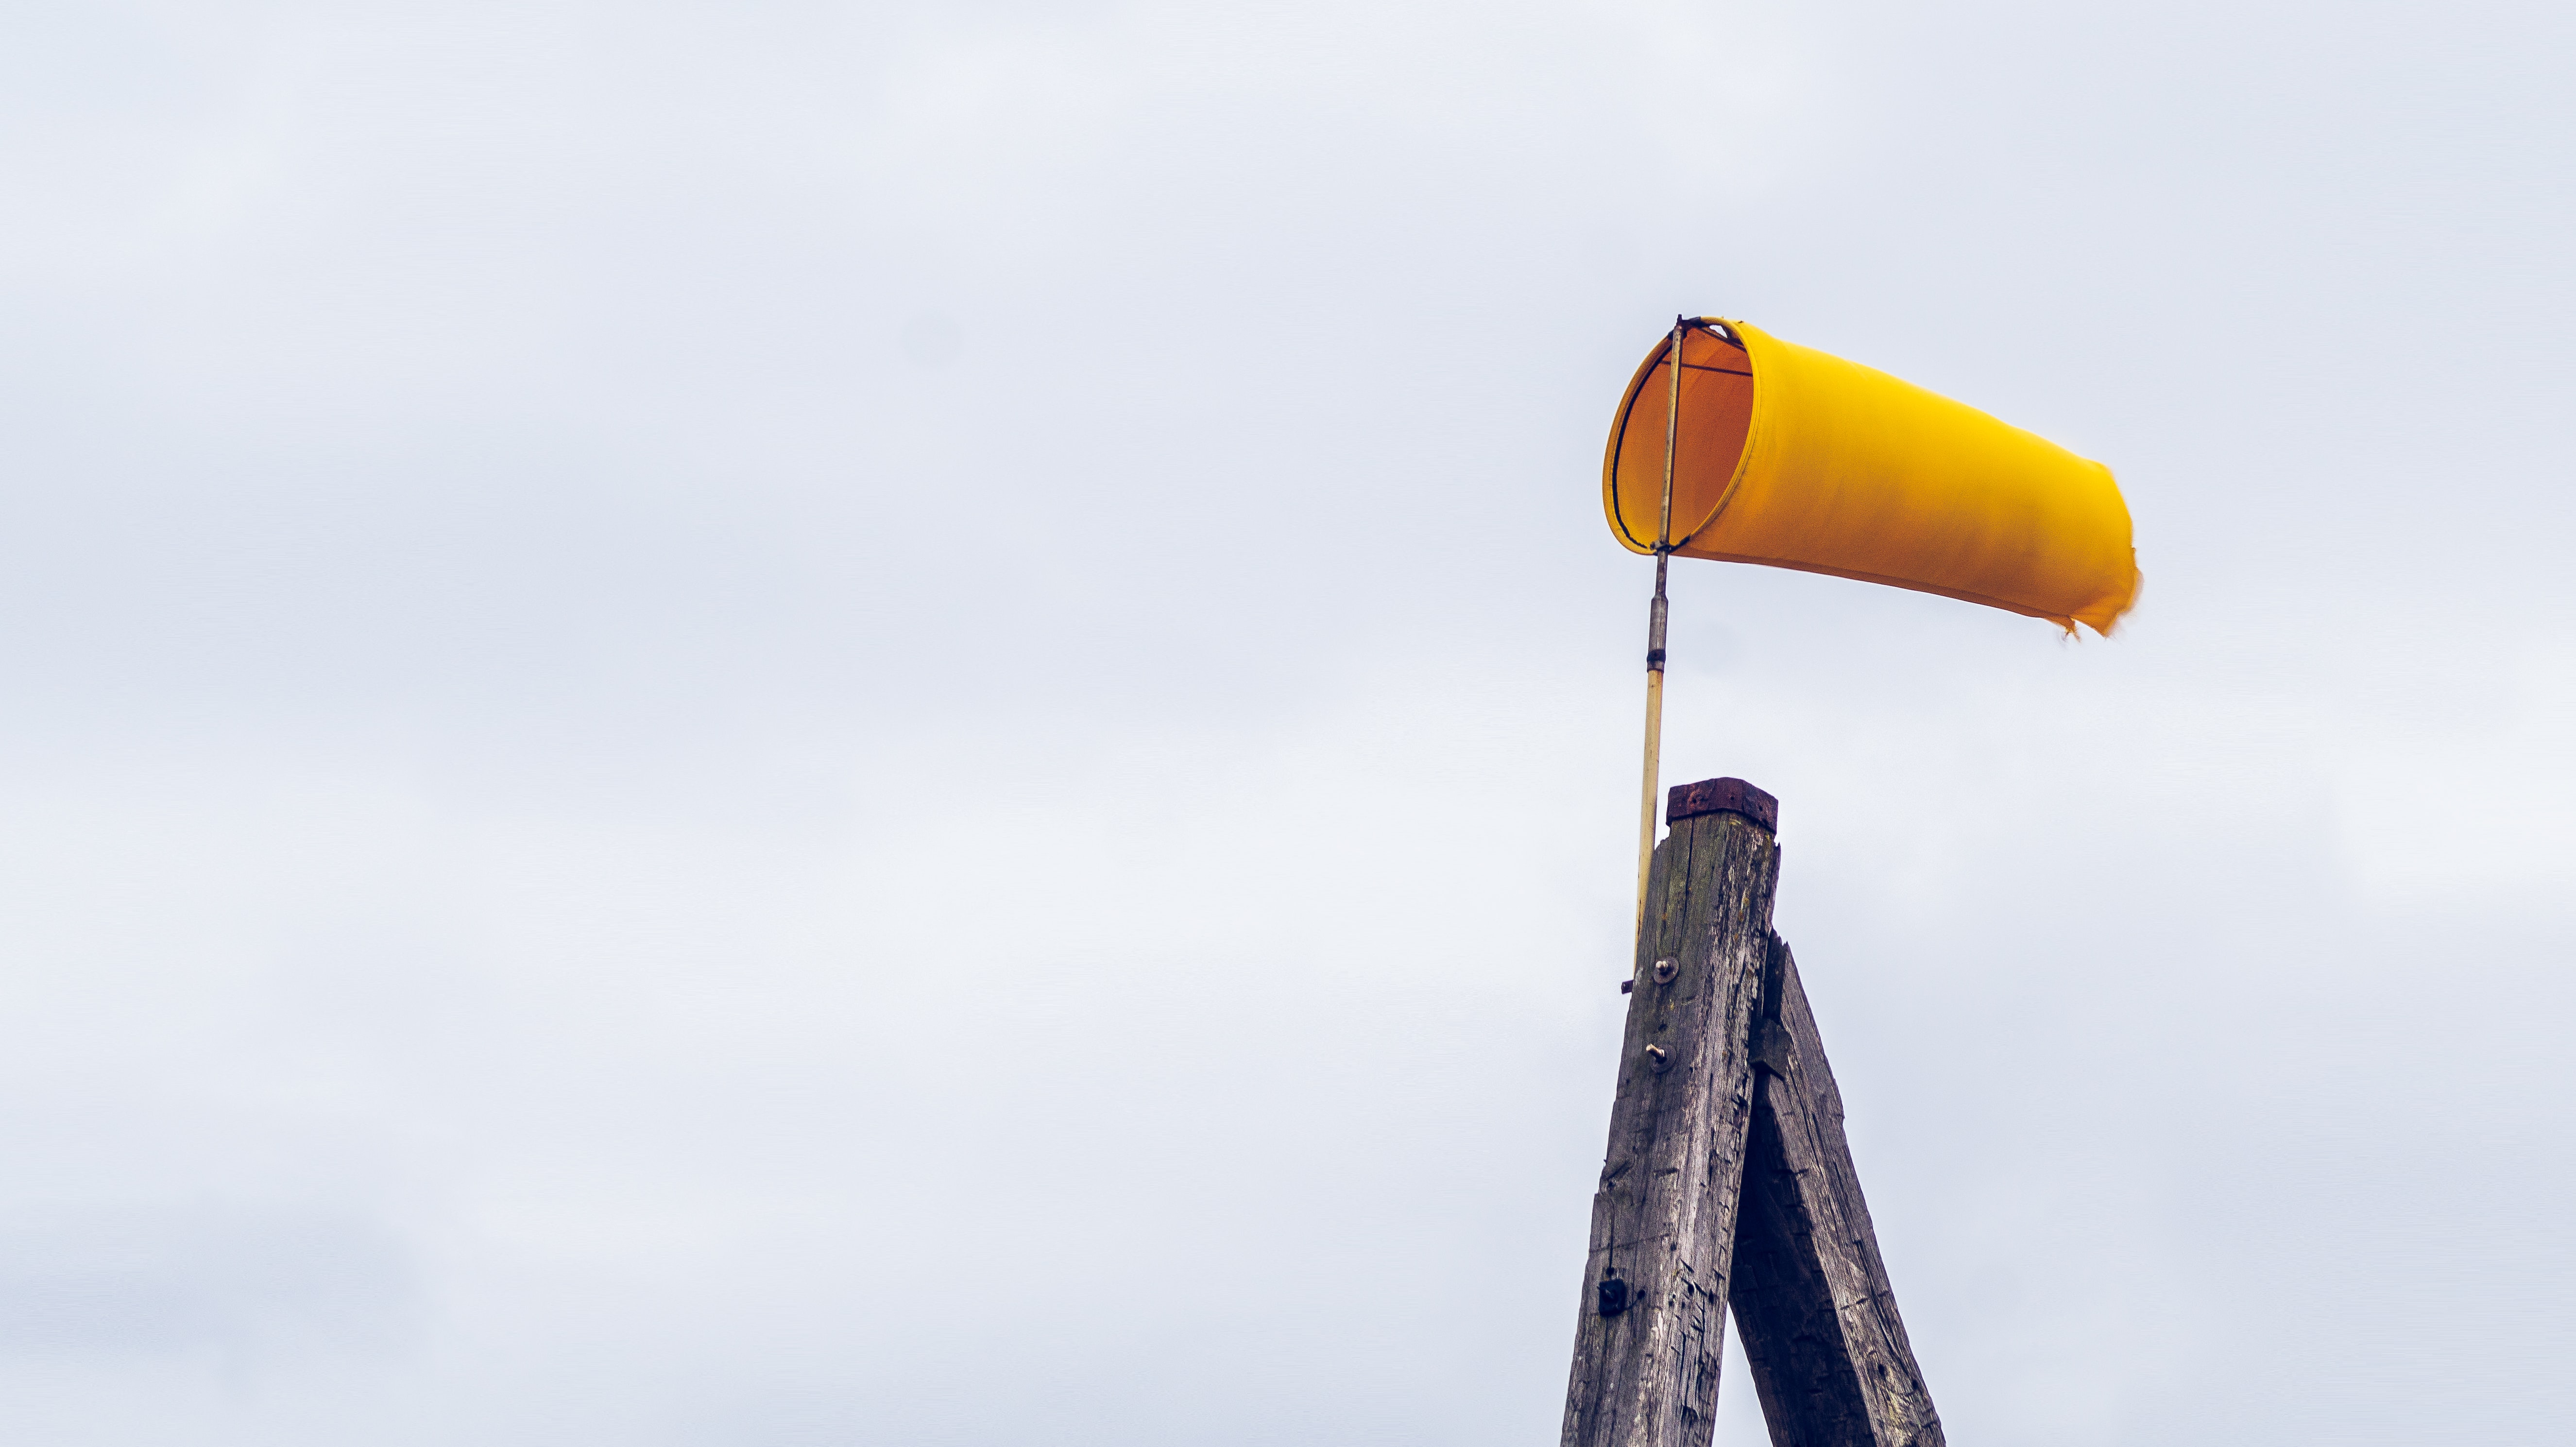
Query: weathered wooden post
{"type": "Point", "coordinates": [1646, 1347]}
{"type": "Point", "coordinates": [1728, 1179]}
{"type": "Point", "coordinates": [1828, 1351]}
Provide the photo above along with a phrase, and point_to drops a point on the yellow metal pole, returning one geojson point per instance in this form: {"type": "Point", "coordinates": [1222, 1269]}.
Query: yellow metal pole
{"type": "Point", "coordinates": [1655, 617]}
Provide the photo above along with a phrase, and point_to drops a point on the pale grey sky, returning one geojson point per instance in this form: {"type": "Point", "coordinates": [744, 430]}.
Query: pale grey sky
{"type": "Point", "coordinates": [775, 724]}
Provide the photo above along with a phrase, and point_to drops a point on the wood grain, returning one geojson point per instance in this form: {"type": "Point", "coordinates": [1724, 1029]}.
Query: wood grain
{"type": "Point", "coordinates": [1821, 1332]}
{"type": "Point", "coordinates": [1664, 1216]}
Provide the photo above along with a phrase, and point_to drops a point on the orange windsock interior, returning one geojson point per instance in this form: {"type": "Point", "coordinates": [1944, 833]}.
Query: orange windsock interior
{"type": "Point", "coordinates": [1716, 412]}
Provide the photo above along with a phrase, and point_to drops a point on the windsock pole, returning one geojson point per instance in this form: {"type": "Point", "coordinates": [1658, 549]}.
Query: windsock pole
{"type": "Point", "coordinates": [1655, 630]}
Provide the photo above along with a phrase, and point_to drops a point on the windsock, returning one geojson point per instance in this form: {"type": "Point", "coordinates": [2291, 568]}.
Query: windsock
{"type": "Point", "coordinates": [1792, 458]}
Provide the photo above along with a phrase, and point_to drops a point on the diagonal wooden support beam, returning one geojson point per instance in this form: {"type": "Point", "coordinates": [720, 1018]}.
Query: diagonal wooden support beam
{"type": "Point", "coordinates": [1647, 1339]}
{"type": "Point", "coordinates": [1810, 1294]}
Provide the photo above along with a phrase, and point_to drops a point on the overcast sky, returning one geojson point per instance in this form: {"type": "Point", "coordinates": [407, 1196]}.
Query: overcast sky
{"type": "Point", "coordinates": [771, 724]}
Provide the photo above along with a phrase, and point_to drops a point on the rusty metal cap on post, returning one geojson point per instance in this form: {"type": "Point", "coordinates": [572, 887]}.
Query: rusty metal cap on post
{"type": "Point", "coordinates": [1722, 796]}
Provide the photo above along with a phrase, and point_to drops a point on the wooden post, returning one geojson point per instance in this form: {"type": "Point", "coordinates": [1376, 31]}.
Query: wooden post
{"type": "Point", "coordinates": [1646, 1348]}
{"type": "Point", "coordinates": [1729, 1180]}
{"type": "Point", "coordinates": [1828, 1351]}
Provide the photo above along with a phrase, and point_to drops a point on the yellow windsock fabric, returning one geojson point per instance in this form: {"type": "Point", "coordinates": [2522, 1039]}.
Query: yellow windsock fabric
{"type": "Point", "coordinates": [1792, 458]}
